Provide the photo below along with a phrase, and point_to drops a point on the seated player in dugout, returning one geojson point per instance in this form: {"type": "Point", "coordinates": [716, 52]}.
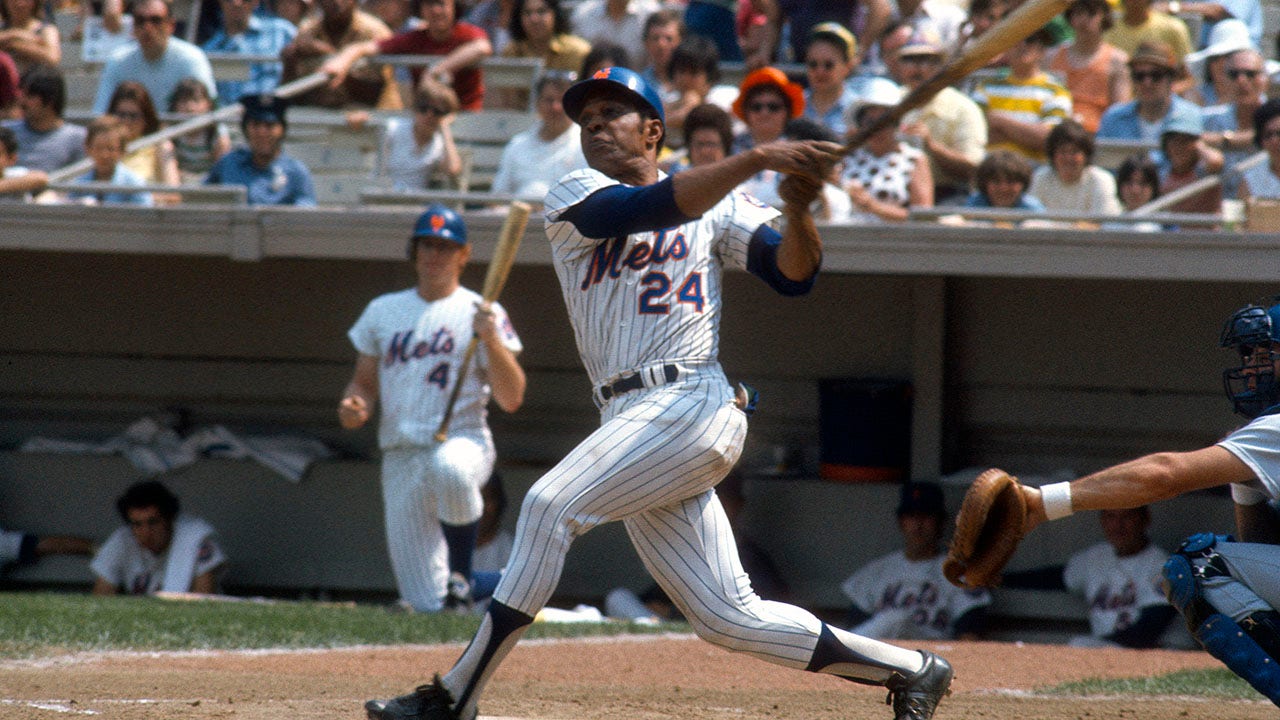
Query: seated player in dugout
{"type": "Point", "coordinates": [1225, 586]}
{"type": "Point", "coordinates": [904, 595]}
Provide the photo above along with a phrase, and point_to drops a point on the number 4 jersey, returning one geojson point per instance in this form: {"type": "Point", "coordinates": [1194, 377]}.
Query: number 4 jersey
{"type": "Point", "coordinates": [651, 296]}
{"type": "Point", "coordinates": [420, 346]}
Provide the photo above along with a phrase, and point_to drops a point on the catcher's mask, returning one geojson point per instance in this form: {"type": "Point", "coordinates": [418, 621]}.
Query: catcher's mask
{"type": "Point", "coordinates": [1254, 332]}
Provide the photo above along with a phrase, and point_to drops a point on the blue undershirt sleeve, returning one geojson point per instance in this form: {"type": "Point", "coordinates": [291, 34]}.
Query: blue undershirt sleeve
{"type": "Point", "coordinates": [623, 209]}
{"type": "Point", "coordinates": [762, 261]}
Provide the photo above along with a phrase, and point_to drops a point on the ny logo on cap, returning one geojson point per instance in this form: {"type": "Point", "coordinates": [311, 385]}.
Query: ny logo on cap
{"type": "Point", "coordinates": [437, 222]}
{"type": "Point", "coordinates": [601, 74]}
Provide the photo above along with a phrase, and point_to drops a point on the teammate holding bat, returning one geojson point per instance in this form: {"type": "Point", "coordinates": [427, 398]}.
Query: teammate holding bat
{"type": "Point", "coordinates": [640, 258]}
{"type": "Point", "coordinates": [411, 346]}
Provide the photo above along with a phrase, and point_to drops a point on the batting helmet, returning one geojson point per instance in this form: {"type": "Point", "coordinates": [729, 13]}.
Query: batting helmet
{"type": "Point", "coordinates": [438, 221]}
{"type": "Point", "coordinates": [614, 77]}
{"type": "Point", "coordinates": [1252, 387]}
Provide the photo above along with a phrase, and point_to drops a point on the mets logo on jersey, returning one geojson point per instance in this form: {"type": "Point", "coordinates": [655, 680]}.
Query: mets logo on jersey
{"type": "Point", "coordinates": [608, 259]}
{"type": "Point", "coordinates": [403, 348]}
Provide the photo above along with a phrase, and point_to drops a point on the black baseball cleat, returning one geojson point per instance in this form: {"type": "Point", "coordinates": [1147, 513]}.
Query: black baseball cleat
{"type": "Point", "coordinates": [916, 697]}
{"type": "Point", "coordinates": [427, 702]}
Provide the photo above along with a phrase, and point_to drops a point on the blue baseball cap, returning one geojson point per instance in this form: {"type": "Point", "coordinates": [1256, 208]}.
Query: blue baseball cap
{"type": "Point", "coordinates": [635, 85]}
{"type": "Point", "coordinates": [438, 221]}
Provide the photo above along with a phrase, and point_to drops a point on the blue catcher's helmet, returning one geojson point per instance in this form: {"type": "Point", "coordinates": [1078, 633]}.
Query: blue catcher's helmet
{"type": "Point", "coordinates": [438, 221]}
{"type": "Point", "coordinates": [1252, 387]}
{"type": "Point", "coordinates": [630, 82]}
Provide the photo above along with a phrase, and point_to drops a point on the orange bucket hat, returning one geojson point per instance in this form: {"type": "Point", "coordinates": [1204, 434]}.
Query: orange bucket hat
{"type": "Point", "coordinates": [770, 76]}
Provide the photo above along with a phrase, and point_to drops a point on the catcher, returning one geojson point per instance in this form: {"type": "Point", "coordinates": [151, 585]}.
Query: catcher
{"type": "Point", "coordinates": [1226, 587]}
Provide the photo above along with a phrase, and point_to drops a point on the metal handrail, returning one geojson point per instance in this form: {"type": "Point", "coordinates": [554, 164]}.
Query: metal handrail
{"type": "Point", "coordinates": [1018, 216]}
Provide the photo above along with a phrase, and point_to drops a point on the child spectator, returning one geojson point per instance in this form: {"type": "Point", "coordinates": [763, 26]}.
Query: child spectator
{"type": "Point", "coordinates": [1094, 70]}
{"type": "Point", "coordinates": [1071, 182]}
{"type": "Point", "coordinates": [16, 183]}
{"type": "Point", "coordinates": [131, 104]}
{"type": "Point", "coordinates": [198, 150]}
{"type": "Point", "coordinates": [603, 55]}
{"type": "Point", "coordinates": [417, 150]}
{"type": "Point", "coordinates": [1137, 183]}
{"type": "Point", "coordinates": [1002, 180]}
{"type": "Point", "coordinates": [1024, 104]}
{"type": "Point", "coordinates": [104, 143]}
{"type": "Point", "coordinates": [1187, 158]}
{"type": "Point", "coordinates": [695, 72]}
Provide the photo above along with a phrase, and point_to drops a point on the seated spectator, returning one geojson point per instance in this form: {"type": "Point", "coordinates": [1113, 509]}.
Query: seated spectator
{"type": "Point", "coordinates": [246, 32]}
{"type": "Point", "coordinates": [1137, 183]}
{"type": "Point", "coordinates": [615, 21]}
{"type": "Point", "coordinates": [1187, 158]}
{"type": "Point", "coordinates": [535, 160]}
{"type": "Point", "coordinates": [951, 129]}
{"type": "Point", "coordinates": [1229, 127]}
{"type": "Point", "coordinates": [1263, 180]}
{"type": "Point", "coordinates": [833, 204]}
{"type": "Point", "coordinates": [158, 549]}
{"type": "Point", "coordinates": [885, 176]}
{"type": "Point", "coordinates": [1071, 182]}
{"type": "Point", "coordinates": [766, 100]}
{"type": "Point", "coordinates": [1024, 104]}
{"type": "Point", "coordinates": [17, 183]}
{"type": "Point", "coordinates": [1139, 23]}
{"type": "Point", "coordinates": [271, 177]}
{"type": "Point", "coordinates": [23, 548]}
{"type": "Point", "coordinates": [461, 46]}
{"type": "Point", "coordinates": [830, 60]}
{"type": "Point", "coordinates": [197, 151]}
{"type": "Point", "coordinates": [1119, 580]}
{"type": "Point", "coordinates": [418, 150]}
{"type": "Point", "coordinates": [105, 142]}
{"type": "Point", "coordinates": [159, 61]}
{"type": "Point", "coordinates": [1153, 69]}
{"type": "Point", "coordinates": [695, 72]}
{"type": "Point", "coordinates": [663, 31]}
{"type": "Point", "coordinates": [111, 12]}
{"type": "Point", "coordinates": [494, 18]}
{"type": "Point", "coordinates": [28, 35]}
{"type": "Point", "coordinates": [904, 595]}
{"type": "Point", "coordinates": [540, 29]}
{"type": "Point", "coordinates": [604, 55]}
{"type": "Point", "coordinates": [132, 106]}
{"type": "Point", "coordinates": [340, 27]}
{"type": "Point", "coordinates": [1001, 181]}
{"type": "Point", "coordinates": [1095, 72]}
{"type": "Point", "coordinates": [708, 138]}
{"type": "Point", "coordinates": [46, 142]}
{"type": "Point", "coordinates": [1208, 67]}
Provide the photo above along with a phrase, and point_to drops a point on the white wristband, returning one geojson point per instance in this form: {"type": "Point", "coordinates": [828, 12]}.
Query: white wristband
{"type": "Point", "coordinates": [1247, 495]}
{"type": "Point", "coordinates": [1057, 500]}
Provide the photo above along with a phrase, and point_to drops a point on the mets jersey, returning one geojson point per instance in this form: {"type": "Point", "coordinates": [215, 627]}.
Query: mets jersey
{"type": "Point", "coordinates": [909, 598]}
{"type": "Point", "coordinates": [648, 297]}
{"type": "Point", "coordinates": [133, 569]}
{"type": "Point", "coordinates": [421, 345]}
{"type": "Point", "coordinates": [1116, 588]}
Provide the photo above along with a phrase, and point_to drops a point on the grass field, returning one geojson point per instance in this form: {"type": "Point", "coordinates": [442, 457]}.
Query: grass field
{"type": "Point", "coordinates": [35, 625]}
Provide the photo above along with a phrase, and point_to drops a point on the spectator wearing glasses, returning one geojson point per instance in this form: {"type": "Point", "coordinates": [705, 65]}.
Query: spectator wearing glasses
{"type": "Point", "coordinates": [131, 104]}
{"type": "Point", "coordinates": [767, 98]}
{"type": "Point", "coordinates": [1094, 70]}
{"type": "Point", "coordinates": [245, 32]}
{"type": "Point", "coordinates": [419, 150]}
{"type": "Point", "coordinates": [830, 60]}
{"type": "Point", "coordinates": [1208, 67]}
{"type": "Point", "coordinates": [951, 129]}
{"type": "Point", "coordinates": [1153, 68]}
{"type": "Point", "coordinates": [159, 61]}
{"type": "Point", "coordinates": [1229, 127]}
{"type": "Point", "coordinates": [535, 160]}
{"type": "Point", "coordinates": [1263, 180]}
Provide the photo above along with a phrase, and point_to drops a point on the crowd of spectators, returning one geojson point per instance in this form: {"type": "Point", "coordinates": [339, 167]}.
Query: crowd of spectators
{"type": "Point", "coordinates": [1185, 86]}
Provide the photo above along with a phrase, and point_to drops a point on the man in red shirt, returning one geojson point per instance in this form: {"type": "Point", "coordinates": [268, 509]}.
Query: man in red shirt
{"type": "Point", "coordinates": [461, 46]}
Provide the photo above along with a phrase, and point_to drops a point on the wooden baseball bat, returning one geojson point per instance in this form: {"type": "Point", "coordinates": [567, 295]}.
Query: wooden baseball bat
{"type": "Point", "coordinates": [504, 256]}
{"type": "Point", "coordinates": [1012, 29]}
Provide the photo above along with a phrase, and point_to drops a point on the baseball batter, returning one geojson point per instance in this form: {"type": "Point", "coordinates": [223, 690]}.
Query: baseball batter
{"type": "Point", "coordinates": [640, 259]}
{"type": "Point", "coordinates": [411, 345]}
{"type": "Point", "coordinates": [1226, 588]}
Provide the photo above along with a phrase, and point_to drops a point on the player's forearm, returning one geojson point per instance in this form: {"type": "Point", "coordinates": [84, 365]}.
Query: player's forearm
{"type": "Point", "coordinates": [800, 253]}
{"type": "Point", "coordinates": [507, 379]}
{"type": "Point", "coordinates": [698, 189]}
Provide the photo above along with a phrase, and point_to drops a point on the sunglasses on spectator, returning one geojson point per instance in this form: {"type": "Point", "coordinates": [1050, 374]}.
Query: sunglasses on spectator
{"type": "Point", "coordinates": [426, 108]}
{"type": "Point", "coordinates": [127, 115]}
{"type": "Point", "coordinates": [1237, 73]}
{"type": "Point", "coordinates": [766, 106]}
{"type": "Point", "coordinates": [1271, 134]}
{"type": "Point", "coordinates": [1152, 75]}
{"type": "Point", "coordinates": [821, 64]}
{"type": "Point", "coordinates": [919, 59]}
{"type": "Point", "coordinates": [150, 19]}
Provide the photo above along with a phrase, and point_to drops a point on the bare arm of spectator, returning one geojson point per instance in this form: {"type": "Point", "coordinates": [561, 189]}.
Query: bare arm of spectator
{"type": "Point", "coordinates": [463, 56]}
{"type": "Point", "coordinates": [33, 182]}
{"type": "Point", "coordinates": [340, 64]}
{"type": "Point", "coordinates": [952, 161]}
{"type": "Point", "coordinates": [43, 47]}
{"type": "Point", "coordinates": [1210, 157]}
{"type": "Point", "coordinates": [879, 13]}
{"type": "Point", "coordinates": [451, 162]}
{"type": "Point", "coordinates": [765, 36]}
{"type": "Point", "coordinates": [1002, 128]}
{"type": "Point", "coordinates": [112, 12]}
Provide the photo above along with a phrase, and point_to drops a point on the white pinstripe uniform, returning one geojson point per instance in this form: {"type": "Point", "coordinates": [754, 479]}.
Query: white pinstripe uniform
{"type": "Point", "coordinates": [420, 346]}
{"type": "Point", "coordinates": [637, 304]}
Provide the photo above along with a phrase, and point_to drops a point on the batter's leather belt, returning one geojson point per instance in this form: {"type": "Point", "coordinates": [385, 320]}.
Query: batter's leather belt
{"type": "Point", "coordinates": [637, 381]}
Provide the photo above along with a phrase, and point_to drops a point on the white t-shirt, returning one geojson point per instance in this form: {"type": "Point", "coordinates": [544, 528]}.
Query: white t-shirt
{"type": "Point", "coordinates": [1094, 193]}
{"type": "Point", "coordinates": [420, 346]}
{"type": "Point", "coordinates": [407, 166]}
{"type": "Point", "coordinates": [192, 552]}
{"type": "Point", "coordinates": [909, 599]}
{"type": "Point", "coordinates": [1257, 444]}
{"type": "Point", "coordinates": [1116, 589]}
{"type": "Point", "coordinates": [531, 165]}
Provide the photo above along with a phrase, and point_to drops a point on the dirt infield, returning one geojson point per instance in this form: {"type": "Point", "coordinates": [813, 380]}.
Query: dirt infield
{"type": "Point", "coordinates": [615, 679]}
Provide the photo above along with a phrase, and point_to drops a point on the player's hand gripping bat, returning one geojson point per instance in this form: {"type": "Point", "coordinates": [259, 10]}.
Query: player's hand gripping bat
{"type": "Point", "coordinates": [504, 256]}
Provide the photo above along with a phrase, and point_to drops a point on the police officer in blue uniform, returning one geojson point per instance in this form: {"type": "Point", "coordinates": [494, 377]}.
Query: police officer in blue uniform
{"type": "Point", "coordinates": [271, 177]}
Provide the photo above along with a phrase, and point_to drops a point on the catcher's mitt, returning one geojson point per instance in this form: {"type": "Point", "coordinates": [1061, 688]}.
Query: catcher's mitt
{"type": "Point", "coordinates": [991, 523]}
